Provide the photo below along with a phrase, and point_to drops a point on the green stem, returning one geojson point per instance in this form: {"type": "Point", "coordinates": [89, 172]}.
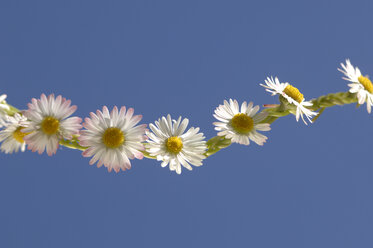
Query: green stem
{"type": "Point", "coordinates": [318, 114]}
{"type": "Point", "coordinates": [217, 143]}
{"type": "Point", "coordinates": [147, 155]}
{"type": "Point", "coordinates": [214, 144]}
{"type": "Point", "coordinates": [333, 99]}
{"type": "Point", "coordinates": [72, 144]}
{"type": "Point", "coordinates": [274, 113]}
{"type": "Point", "coordinates": [320, 103]}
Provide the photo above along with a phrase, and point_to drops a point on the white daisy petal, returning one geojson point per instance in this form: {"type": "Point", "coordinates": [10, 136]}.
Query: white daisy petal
{"type": "Point", "coordinates": [11, 136]}
{"type": "Point", "coordinates": [361, 86]}
{"type": "Point", "coordinates": [3, 108]}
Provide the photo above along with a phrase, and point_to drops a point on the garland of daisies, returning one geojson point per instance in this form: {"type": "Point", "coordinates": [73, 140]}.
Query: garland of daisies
{"type": "Point", "coordinates": [113, 138]}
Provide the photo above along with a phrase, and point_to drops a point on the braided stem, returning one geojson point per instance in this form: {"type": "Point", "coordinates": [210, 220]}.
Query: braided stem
{"type": "Point", "coordinates": [217, 143]}
{"type": "Point", "coordinates": [330, 100]}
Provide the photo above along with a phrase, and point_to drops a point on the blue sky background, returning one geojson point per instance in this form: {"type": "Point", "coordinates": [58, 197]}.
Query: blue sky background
{"type": "Point", "coordinates": [308, 186]}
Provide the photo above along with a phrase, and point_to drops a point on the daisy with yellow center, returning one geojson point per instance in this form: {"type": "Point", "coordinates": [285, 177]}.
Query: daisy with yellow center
{"type": "Point", "coordinates": [361, 86]}
{"type": "Point", "coordinates": [243, 125]}
{"type": "Point", "coordinates": [169, 142]}
{"type": "Point", "coordinates": [49, 123]}
{"type": "Point", "coordinates": [113, 138]}
{"type": "Point", "coordinates": [12, 136]}
{"type": "Point", "coordinates": [292, 96]}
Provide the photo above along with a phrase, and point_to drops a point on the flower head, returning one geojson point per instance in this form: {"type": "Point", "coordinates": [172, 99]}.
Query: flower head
{"type": "Point", "coordinates": [171, 144]}
{"type": "Point", "coordinates": [49, 123]}
{"type": "Point", "coordinates": [12, 135]}
{"type": "Point", "coordinates": [360, 85]}
{"type": "Point", "coordinates": [292, 96]}
{"type": "Point", "coordinates": [113, 138]}
{"type": "Point", "coordinates": [241, 126]}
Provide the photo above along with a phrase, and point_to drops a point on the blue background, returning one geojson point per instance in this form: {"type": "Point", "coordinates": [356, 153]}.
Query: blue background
{"type": "Point", "coordinates": [308, 186]}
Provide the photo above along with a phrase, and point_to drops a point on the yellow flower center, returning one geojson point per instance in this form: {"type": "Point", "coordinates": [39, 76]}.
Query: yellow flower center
{"type": "Point", "coordinates": [366, 83]}
{"type": "Point", "coordinates": [18, 135]}
{"type": "Point", "coordinates": [242, 123]}
{"type": "Point", "coordinates": [174, 144]}
{"type": "Point", "coordinates": [294, 93]}
{"type": "Point", "coordinates": [50, 125]}
{"type": "Point", "coordinates": [113, 137]}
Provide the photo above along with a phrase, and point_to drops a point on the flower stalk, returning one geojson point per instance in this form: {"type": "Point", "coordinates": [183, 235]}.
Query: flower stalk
{"type": "Point", "coordinates": [217, 143]}
{"type": "Point", "coordinates": [113, 138]}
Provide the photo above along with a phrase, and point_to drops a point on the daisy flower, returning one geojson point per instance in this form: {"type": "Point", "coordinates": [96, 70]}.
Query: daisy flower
{"type": "Point", "coordinates": [49, 123]}
{"type": "Point", "coordinates": [113, 138]}
{"type": "Point", "coordinates": [360, 85]}
{"type": "Point", "coordinates": [3, 108]}
{"type": "Point", "coordinates": [241, 126]}
{"type": "Point", "coordinates": [12, 136]}
{"type": "Point", "coordinates": [292, 95]}
{"type": "Point", "coordinates": [171, 144]}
